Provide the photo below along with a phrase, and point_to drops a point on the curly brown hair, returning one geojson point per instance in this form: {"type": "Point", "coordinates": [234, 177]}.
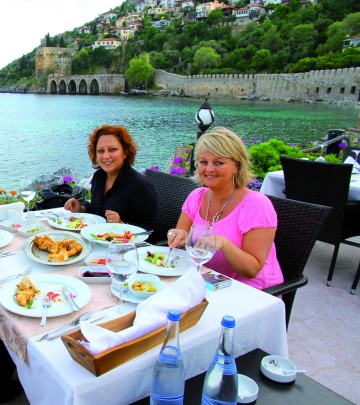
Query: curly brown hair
{"type": "Point", "coordinates": [123, 137]}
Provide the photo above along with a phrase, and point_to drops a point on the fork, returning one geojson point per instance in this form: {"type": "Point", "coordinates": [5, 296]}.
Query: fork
{"type": "Point", "coordinates": [14, 276]}
{"type": "Point", "coordinates": [46, 303]}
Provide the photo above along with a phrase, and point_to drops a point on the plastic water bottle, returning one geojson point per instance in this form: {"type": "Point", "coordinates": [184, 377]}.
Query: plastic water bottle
{"type": "Point", "coordinates": [168, 378]}
{"type": "Point", "coordinates": [221, 380]}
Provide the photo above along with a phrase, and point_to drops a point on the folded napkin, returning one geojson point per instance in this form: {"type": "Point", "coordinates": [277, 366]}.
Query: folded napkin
{"type": "Point", "coordinates": [186, 292]}
{"type": "Point", "coordinates": [356, 166]}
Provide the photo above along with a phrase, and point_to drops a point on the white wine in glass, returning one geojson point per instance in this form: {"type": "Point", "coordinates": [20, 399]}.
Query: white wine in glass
{"type": "Point", "coordinates": [26, 192]}
{"type": "Point", "coordinates": [122, 261]}
{"type": "Point", "coordinates": [201, 244]}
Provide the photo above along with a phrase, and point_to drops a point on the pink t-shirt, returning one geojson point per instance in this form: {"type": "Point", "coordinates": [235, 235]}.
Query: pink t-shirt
{"type": "Point", "coordinates": [254, 211]}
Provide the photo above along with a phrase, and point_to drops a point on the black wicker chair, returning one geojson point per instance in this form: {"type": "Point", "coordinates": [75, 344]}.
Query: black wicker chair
{"type": "Point", "coordinates": [347, 151]}
{"type": "Point", "coordinates": [298, 227]}
{"type": "Point", "coordinates": [171, 193]}
{"type": "Point", "coordinates": [324, 184]}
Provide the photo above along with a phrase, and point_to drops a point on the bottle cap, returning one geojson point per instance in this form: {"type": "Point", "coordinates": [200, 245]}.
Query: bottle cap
{"type": "Point", "coordinates": [174, 315]}
{"type": "Point", "coordinates": [228, 321]}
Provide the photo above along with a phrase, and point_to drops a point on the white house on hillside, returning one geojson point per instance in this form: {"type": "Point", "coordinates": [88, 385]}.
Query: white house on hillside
{"type": "Point", "coordinates": [108, 43]}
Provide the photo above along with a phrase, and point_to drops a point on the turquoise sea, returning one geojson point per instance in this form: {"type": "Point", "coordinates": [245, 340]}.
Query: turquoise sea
{"type": "Point", "coordinates": [41, 134]}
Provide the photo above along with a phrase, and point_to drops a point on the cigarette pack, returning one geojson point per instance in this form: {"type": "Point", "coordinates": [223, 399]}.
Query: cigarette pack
{"type": "Point", "coordinates": [215, 281]}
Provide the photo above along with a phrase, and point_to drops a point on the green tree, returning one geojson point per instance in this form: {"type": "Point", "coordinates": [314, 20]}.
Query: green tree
{"type": "Point", "coordinates": [140, 71]}
{"type": "Point", "coordinates": [206, 58]}
{"type": "Point", "coordinates": [262, 60]}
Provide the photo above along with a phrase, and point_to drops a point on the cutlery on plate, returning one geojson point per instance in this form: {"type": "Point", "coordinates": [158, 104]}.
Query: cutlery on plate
{"type": "Point", "coordinates": [70, 299]}
{"type": "Point", "coordinates": [168, 257]}
{"type": "Point", "coordinates": [75, 322]}
{"type": "Point", "coordinates": [46, 303]}
{"type": "Point", "coordinates": [143, 233]}
{"type": "Point", "coordinates": [14, 276]}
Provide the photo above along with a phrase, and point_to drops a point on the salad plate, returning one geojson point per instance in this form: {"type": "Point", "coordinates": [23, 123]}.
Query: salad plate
{"type": "Point", "coordinates": [5, 238]}
{"type": "Point", "coordinates": [42, 256]}
{"type": "Point", "coordinates": [75, 221]}
{"type": "Point", "coordinates": [47, 283]}
{"type": "Point", "coordinates": [104, 233]}
{"type": "Point", "coordinates": [180, 267]}
{"type": "Point", "coordinates": [9, 226]}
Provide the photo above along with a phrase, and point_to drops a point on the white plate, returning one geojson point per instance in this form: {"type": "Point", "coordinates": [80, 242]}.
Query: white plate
{"type": "Point", "coordinates": [28, 230]}
{"type": "Point", "coordinates": [46, 283]}
{"type": "Point", "coordinates": [42, 256]}
{"type": "Point", "coordinates": [128, 296]}
{"type": "Point", "coordinates": [5, 238]}
{"type": "Point", "coordinates": [115, 228]}
{"type": "Point", "coordinates": [7, 225]}
{"type": "Point", "coordinates": [93, 257]}
{"type": "Point", "coordinates": [89, 219]}
{"type": "Point", "coordinates": [145, 266]}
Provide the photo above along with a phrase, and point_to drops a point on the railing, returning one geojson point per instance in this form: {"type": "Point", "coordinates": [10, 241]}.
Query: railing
{"type": "Point", "coordinates": [326, 143]}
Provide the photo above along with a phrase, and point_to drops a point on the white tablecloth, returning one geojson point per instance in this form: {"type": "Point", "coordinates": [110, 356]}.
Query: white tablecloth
{"type": "Point", "coordinates": [50, 376]}
{"type": "Point", "coordinates": [274, 184]}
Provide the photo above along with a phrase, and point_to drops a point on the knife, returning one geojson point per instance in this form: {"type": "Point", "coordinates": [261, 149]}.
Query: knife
{"type": "Point", "coordinates": [64, 331]}
{"type": "Point", "coordinates": [70, 299]}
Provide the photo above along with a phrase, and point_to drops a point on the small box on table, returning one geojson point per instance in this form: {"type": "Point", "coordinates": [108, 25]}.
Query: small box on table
{"type": "Point", "coordinates": [215, 281]}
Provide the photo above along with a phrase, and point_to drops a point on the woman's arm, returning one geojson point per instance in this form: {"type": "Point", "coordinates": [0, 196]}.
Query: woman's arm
{"type": "Point", "coordinates": [181, 231]}
{"type": "Point", "coordinates": [249, 260]}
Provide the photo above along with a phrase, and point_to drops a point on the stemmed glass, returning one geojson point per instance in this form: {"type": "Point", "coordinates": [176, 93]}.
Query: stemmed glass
{"type": "Point", "coordinates": [201, 244]}
{"type": "Point", "coordinates": [122, 261]}
{"type": "Point", "coordinates": [25, 191]}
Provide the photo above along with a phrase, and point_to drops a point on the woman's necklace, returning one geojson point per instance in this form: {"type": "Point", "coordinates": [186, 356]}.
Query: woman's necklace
{"type": "Point", "coordinates": [217, 216]}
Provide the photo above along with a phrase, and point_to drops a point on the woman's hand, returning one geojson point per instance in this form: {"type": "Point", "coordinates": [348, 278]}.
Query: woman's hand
{"type": "Point", "coordinates": [176, 237]}
{"type": "Point", "coordinates": [73, 205]}
{"type": "Point", "coordinates": [112, 216]}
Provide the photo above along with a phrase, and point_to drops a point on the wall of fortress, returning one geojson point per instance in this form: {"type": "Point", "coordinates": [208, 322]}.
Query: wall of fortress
{"type": "Point", "coordinates": [338, 85]}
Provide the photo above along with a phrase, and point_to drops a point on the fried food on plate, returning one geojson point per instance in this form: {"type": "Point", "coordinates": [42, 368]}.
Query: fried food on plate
{"type": "Point", "coordinates": [59, 250]}
{"type": "Point", "coordinates": [26, 291]}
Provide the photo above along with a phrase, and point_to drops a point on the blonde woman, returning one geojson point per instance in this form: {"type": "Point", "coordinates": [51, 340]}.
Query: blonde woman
{"type": "Point", "coordinates": [244, 220]}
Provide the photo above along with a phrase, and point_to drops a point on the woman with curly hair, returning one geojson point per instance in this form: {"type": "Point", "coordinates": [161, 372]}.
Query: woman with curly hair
{"type": "Point", "coordinates": [118, 192]}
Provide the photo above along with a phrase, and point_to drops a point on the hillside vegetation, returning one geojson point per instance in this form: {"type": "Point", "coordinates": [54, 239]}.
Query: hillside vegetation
{"type": "Point", "coordinates": [291, 39]}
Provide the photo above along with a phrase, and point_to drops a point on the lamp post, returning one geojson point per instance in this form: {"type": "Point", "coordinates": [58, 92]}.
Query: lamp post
{"type": "Point", "coordinates": [204, 118]}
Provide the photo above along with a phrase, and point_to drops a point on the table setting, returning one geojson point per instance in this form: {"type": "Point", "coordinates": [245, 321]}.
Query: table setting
{"type": "Point", "coordinates": [40, 350]}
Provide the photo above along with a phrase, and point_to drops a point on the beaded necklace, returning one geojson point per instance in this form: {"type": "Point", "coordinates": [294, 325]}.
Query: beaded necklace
{"type": "Point", "coordinates": [217, 216]}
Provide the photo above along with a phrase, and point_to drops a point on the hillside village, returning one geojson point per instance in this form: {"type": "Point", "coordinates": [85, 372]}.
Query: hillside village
{"type": "Point", "coordinates": [117, 30]}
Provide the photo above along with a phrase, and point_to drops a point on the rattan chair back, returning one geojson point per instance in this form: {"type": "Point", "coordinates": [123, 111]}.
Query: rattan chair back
{"type": "Point", "coordinates": [348, 151]}
{"type": "Point", "coordinates": [298, 226]}
{"type": "Point", "coordinates": [171, 193]}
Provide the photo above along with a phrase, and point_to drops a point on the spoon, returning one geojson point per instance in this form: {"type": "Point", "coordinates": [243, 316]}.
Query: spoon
{"type": "Point", "coordinates": [75, 322]}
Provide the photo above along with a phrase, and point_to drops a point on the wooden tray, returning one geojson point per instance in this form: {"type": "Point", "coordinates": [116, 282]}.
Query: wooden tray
{"type": "Point", "coordinates": [101, 363]}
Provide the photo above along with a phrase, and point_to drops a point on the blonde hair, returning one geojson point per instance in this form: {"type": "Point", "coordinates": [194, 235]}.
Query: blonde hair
{"type": "Point", "coordinates": [222, 142]}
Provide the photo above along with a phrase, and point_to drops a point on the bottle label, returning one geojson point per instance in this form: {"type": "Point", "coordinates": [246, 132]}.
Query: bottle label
{"type": "Point", "coordinates": [166, 400]}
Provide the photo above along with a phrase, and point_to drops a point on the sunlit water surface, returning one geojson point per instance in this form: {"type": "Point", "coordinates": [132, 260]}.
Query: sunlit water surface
{"type": "Point", "coordinates": [41, 134]}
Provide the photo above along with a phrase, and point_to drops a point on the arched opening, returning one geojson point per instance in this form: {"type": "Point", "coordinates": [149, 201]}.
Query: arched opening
{"type": "Point", "coordinates": [83, 87]}
{"type": "Point", "coordinates": [72, 87]}
{"type": "Point", "coordinates": [94, 87]}
{"type": "Point", "coordinates": [53, 87]}
{"type": "Point", "coordinates": [62, 87]}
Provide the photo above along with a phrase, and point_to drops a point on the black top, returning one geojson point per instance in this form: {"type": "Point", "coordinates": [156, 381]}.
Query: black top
{"type": "Point", "coordinates": [131, 196]}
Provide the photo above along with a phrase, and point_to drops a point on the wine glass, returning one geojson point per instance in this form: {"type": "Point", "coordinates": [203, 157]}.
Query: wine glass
{"type": "Point", "coordinates": [201, 244]}
{"type": "Point", "coordinates": [26, 192]}
{"type": "Point", "coordinates": [122, 261]}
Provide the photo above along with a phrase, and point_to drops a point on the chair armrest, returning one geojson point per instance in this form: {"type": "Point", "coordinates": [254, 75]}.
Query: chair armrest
{"type": "Point", "coordinates": [287, 286]}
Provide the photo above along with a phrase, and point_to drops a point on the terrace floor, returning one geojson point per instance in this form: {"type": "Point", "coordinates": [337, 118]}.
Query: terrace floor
{"type": "Point", "coordinates": [324, 329]}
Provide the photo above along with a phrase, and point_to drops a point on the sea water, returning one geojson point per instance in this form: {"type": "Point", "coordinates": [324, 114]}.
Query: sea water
{"type": "Point", "coordinates": [40, 134]}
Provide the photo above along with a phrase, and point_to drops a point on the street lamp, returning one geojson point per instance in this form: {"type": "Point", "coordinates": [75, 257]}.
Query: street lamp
{"type": "Point", "coordinates": [204, 118]}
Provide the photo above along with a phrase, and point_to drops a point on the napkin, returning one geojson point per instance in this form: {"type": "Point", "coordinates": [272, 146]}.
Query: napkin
{"type": "Point", "coordinates": [186, 292]}
{"type": "Point", "coordinates": [356, 166]}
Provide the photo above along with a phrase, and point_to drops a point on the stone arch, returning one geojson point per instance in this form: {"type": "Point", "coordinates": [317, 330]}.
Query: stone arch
{"type": "Point", "coordinates": [83, 87]}
{"type": "Point", "coordinates": [53, 87]}
{"type": "Point", "coordinates": [94, 87]}
{"type": "Point", "coordinates": [72, 87]}
{"type": "Point", "coordinates": [62, 87]}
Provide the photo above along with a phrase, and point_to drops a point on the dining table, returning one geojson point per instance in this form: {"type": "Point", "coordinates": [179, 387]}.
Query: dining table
{"type": "Point", "coordinates": [274, 184]}
{"type": "Point", "coordinates": [49, 374]}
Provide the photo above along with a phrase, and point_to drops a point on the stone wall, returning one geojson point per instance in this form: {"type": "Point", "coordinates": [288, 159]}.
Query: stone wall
{"type": "Point", "coordinates": [341, 85]}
